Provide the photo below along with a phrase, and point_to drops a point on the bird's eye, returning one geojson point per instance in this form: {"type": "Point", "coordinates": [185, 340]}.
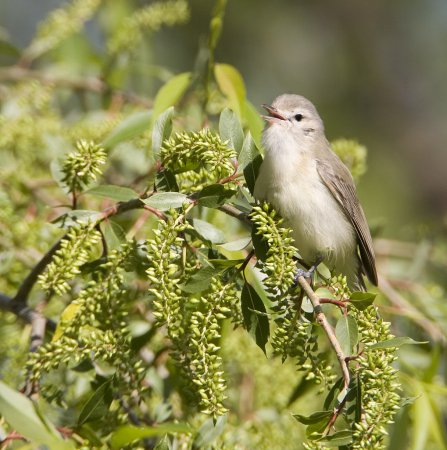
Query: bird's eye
{"type": "Point", "coordinates": [298, 117]}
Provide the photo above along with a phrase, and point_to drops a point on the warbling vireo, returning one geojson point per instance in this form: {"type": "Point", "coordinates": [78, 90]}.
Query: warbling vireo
{"type": "Point", "coordinates": [311, 188]}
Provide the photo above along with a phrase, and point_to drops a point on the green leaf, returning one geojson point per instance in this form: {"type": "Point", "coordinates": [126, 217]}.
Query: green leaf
{"type": "Point", "coordinates": [316, 417]}
{"type": "Point", "coordinates": [130, 127]}
{"type": "Point", "coordinates": [394, 343]}
{"type": "Point", "coordinates": [230, 129]}
{"type": "Point", "coordinates": [300, 389]}
{"type": "Point", "coordinates": [170, 93]}
{"type": "Point", "coordinates": [231, 84]}
{"type": "Point", "coordinates": [114, 234]}
{"type": "Point", "coordinates": [248, 153]}
{"type": "Point", "coordinates": [254, 122]}
{"type": "Point", "coordinates": [163, 444]}
{"type": "Point", "coordinates": [162, 130]}
{"type": "Point", "coordinates": [208, 232]}
{"type": "Point", "coordinates": [97, 404]}
{"type": "Point", "coordinates": [256, 324]}
{"type": "Point", "coordinates": [338, 439]}
{"type": "Point", "coordinates": [165, 181]}
{"type": "Point", "coordinates": [260, 245]}
{"type": "Point", "coordinates": [214, 195]}
{"type": "Point", "coordinates": [251, 172]}
{"type": "Point", "coordinates": [201, 280]}
{"type": "Point", "coordinates": [237, 245]}
{"type": "Point", "coordinates": [225, 263]}
{"type": "Point", "coordinates": [119, 193]}
{"type": "Point", "coordinates": [347, 334]}
{"type": "Point", "coordinates": [164, 201]}
{"type": "Point", "coordinates": [361, 300]}
{"type": "Point", "coordinates": [22, 415]}
{"type": "Point", "coordinates": [129, 433]}
{"type": "Point", "coordinates": [8, 49]}
{"type": "Point", "coordinates": [209, 432]}
{"type": "Point", "coordinates": [76, 217]}
{"type": "Point", "coordinates": [331, 398]}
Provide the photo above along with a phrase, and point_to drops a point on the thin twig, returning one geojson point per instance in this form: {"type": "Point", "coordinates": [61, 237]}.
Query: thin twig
{"type": "Point", "coordinates": [18, 305]}
{"type": "Point", "coordinates": [93, 84]}
{"type": "Point", "coordinates": [23, 311]}
{"type": "Point", "coordinates": [402, 304]}
{"type": "Point", "coordinates": [236, 213]}
{"type": "Point", "coordinates": [21, 297]}
{"type": "Point", "coordinates": [322, 320]}
{"type": "Point", "coordinates": [38, 326]}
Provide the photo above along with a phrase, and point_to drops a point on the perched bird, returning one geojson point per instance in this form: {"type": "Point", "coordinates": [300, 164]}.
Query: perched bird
{"type": "Point", "coordinates": [307, 183]}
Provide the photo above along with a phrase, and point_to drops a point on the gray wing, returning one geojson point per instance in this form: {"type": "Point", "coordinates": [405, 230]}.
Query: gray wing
{"type": "Point", "coordinates": [343, 189]}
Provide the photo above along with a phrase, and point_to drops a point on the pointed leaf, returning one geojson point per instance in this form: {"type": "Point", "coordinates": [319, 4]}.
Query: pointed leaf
{"type": "Point", "coordinates": [237, 245]}
{"type": "Point", "coordinates": [209, 432]}
{"type": "Point", "coordinates": [248, 153]}
{"type": "Point", "coordinates": [114, 234]}
{"type": "Point", "coordinates": [254, 122]}
{"type": "Point", "coordinates": [68, 314]}
{"type": "Point", "coordinates": [162, 130]}
{"type": "Point", "coordinates": [225, 263]}
{"type": "Point", "coordinates": [214, 195]}
{"type": "Point", "coordinates": [347, 334]}
{"type": "Point", "coordinates": [98, 402]}
{"type": "Point", "coordinates": [316, 417]}
{"type": "Point", "coordinates": [22, 415]}
{"type": "Point", "coordinates": [231, 84]}
{"type": "Point", "coordinates": [208, 232]}
{"type": "Point", "coordinates": [230, 129]}
{"type": "Point", "coordinates": [130, 127]}
{"type": "Point", "coordinates": [165, 181]}
{"type": "Point", "coordinates": [119, 193]}
{"type": "Point", "coordinates": [256, 324]}
{"type": "Point", "coordinates": [337, 439]}
{"type": "Point", "coordinates": [129, 433]}
{"type": "Point", "coordinates": [361, 300]}
{"type": "Point", "coordinates": [394, 342]}
{"type": "Point", "coordinates": [251, 172]}
{"type": "Point", "coordinates": [76, 217]}
{"type": "Point", "coordinates": [164, 201]}
{"type": "Point", "coordinates": [201, 280]}
{"type": "Point", "coordinates": [170, 93]}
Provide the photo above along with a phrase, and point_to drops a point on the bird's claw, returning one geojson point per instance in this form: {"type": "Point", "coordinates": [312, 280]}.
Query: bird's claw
{"type": "Point", "coordinates": [304, 273]}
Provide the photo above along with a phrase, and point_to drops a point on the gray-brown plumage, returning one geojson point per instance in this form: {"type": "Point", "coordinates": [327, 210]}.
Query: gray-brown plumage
{"type": "Point", "coordinates": [314, 191]}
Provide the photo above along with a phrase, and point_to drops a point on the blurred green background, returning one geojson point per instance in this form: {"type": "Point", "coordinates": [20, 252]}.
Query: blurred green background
{"type": "Point", "coordinates": [375, 70]}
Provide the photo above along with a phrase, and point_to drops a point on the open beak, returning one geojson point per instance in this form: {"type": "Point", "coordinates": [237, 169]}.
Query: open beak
{"type": "Point", "coordinates": [274, 114]}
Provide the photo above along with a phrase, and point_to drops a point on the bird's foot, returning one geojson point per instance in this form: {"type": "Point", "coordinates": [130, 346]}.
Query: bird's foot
{"type": "Point", "coordinates": [307, 273]}
{"type": "Point", "coordinates": [304, 273]}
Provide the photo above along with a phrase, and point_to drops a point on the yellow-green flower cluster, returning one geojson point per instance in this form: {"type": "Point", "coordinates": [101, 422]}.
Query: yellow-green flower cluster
{"type": "Point", "coordinates": [164, 252]}
{"type": "Point", "coordinates": [378, 380]}
{"type": "Point", "coordinates": [74, 251]}
{"type": "Point", "coordinates": [61, 24]}
{"type": "Point", "coordinates": [94, 327]}
{"type": "Point", "coordinates": [205, 365]}
{"type": "Point", "coordinates": [199, 159]}
{"type": "Point", "coordinates": [83, 165]}
{"type": "Point", "coordinates": [279, 265]}
{"type": "Point", "coordinates": [149, 18]}
{"type": "Point", "coordinates": [352, 154]}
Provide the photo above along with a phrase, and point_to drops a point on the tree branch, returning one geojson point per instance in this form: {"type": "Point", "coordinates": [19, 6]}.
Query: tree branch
{"type": "Point", "coordinates": [93, 84]}
{"type": "Point", "coordinates": [322, 320]}
{"type": "Point", "coordinates": [236, 213]}
{"type": "Point", "coordinates": [24, 312]}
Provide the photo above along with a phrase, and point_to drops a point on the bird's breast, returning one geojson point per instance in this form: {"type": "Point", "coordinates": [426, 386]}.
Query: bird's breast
{"type": "Point", "coordinates": [289, 180]}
